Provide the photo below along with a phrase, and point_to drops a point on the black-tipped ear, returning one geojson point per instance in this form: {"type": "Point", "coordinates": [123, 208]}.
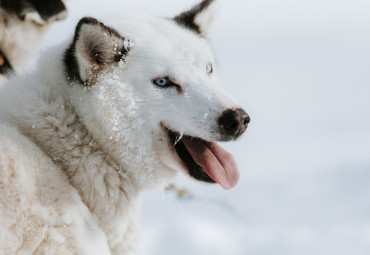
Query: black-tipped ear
{"type": "Point", "coordinates": [94, 46]}
{"type": "Point", "coordinates": [199, 18]}
{"type": "Point", "coordinates": [47, 11]}
{"type": "Point", "coordinates": [40, 12]}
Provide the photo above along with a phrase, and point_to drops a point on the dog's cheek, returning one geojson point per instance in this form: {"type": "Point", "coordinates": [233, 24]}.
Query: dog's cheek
{"type": "Point", "coordinates": [166, 152]}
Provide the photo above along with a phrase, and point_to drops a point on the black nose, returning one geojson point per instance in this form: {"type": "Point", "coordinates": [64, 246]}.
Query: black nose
{"type": "Point", "coordinates": [233, 123]}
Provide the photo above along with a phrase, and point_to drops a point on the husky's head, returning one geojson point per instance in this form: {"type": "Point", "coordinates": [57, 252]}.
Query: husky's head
{"type": "Point", "coordinates": [147, 90]}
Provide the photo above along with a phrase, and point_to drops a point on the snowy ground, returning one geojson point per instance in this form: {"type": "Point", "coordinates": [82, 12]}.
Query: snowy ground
{"type": "Point", "coordinates": [301, 69]}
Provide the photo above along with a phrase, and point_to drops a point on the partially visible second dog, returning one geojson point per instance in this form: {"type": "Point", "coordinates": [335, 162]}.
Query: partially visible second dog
{"type": "Point", "coordinates": [23, 24]}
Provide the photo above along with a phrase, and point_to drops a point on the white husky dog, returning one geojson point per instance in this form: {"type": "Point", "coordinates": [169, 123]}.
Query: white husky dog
{"type": "Point", "coordinates": [122, 107]}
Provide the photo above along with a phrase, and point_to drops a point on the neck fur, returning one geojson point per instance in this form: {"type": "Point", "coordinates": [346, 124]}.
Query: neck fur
{"type": "Point", "coordinates": [110, 193]}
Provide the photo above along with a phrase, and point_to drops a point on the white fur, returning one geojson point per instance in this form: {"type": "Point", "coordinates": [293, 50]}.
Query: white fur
{"type": "Point", "coordinates": [40, 212]}
{"type": "Point", "coordinates": [74, 160]}
{"type": "Point", "coordinates": [205, 18]}
{"type": "Point", "coordinates": [19, 39]}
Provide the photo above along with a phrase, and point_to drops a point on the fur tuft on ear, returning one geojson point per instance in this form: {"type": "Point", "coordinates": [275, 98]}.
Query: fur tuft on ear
{"type": "Point", "coordinates": [94, 46]}
{"type": "Point", "coordinates": [200, 17]}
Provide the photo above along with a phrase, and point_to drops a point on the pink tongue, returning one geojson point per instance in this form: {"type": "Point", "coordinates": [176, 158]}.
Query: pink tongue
{"type": "Point", "coordinates": [216, 162]}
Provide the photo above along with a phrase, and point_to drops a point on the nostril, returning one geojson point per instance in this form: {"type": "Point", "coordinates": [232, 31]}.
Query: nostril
{"type": "Point", "coordinates": [247, 119]}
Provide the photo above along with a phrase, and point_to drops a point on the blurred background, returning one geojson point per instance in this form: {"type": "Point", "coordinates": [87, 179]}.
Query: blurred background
{"type": "Point", "coordinates": [301, 69]}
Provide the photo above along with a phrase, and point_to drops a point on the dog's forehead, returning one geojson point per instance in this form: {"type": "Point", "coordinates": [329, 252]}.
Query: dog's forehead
{"type": "Point", "coordinates": [164, 38]}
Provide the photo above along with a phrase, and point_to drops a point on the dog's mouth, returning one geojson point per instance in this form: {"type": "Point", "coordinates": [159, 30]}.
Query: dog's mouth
{"type": "Point", "coordinates": [206, 161]}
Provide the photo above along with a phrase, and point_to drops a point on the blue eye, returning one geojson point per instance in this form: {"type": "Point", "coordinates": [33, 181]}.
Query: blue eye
{"type": "Point", "coordinates": [163, 82]}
